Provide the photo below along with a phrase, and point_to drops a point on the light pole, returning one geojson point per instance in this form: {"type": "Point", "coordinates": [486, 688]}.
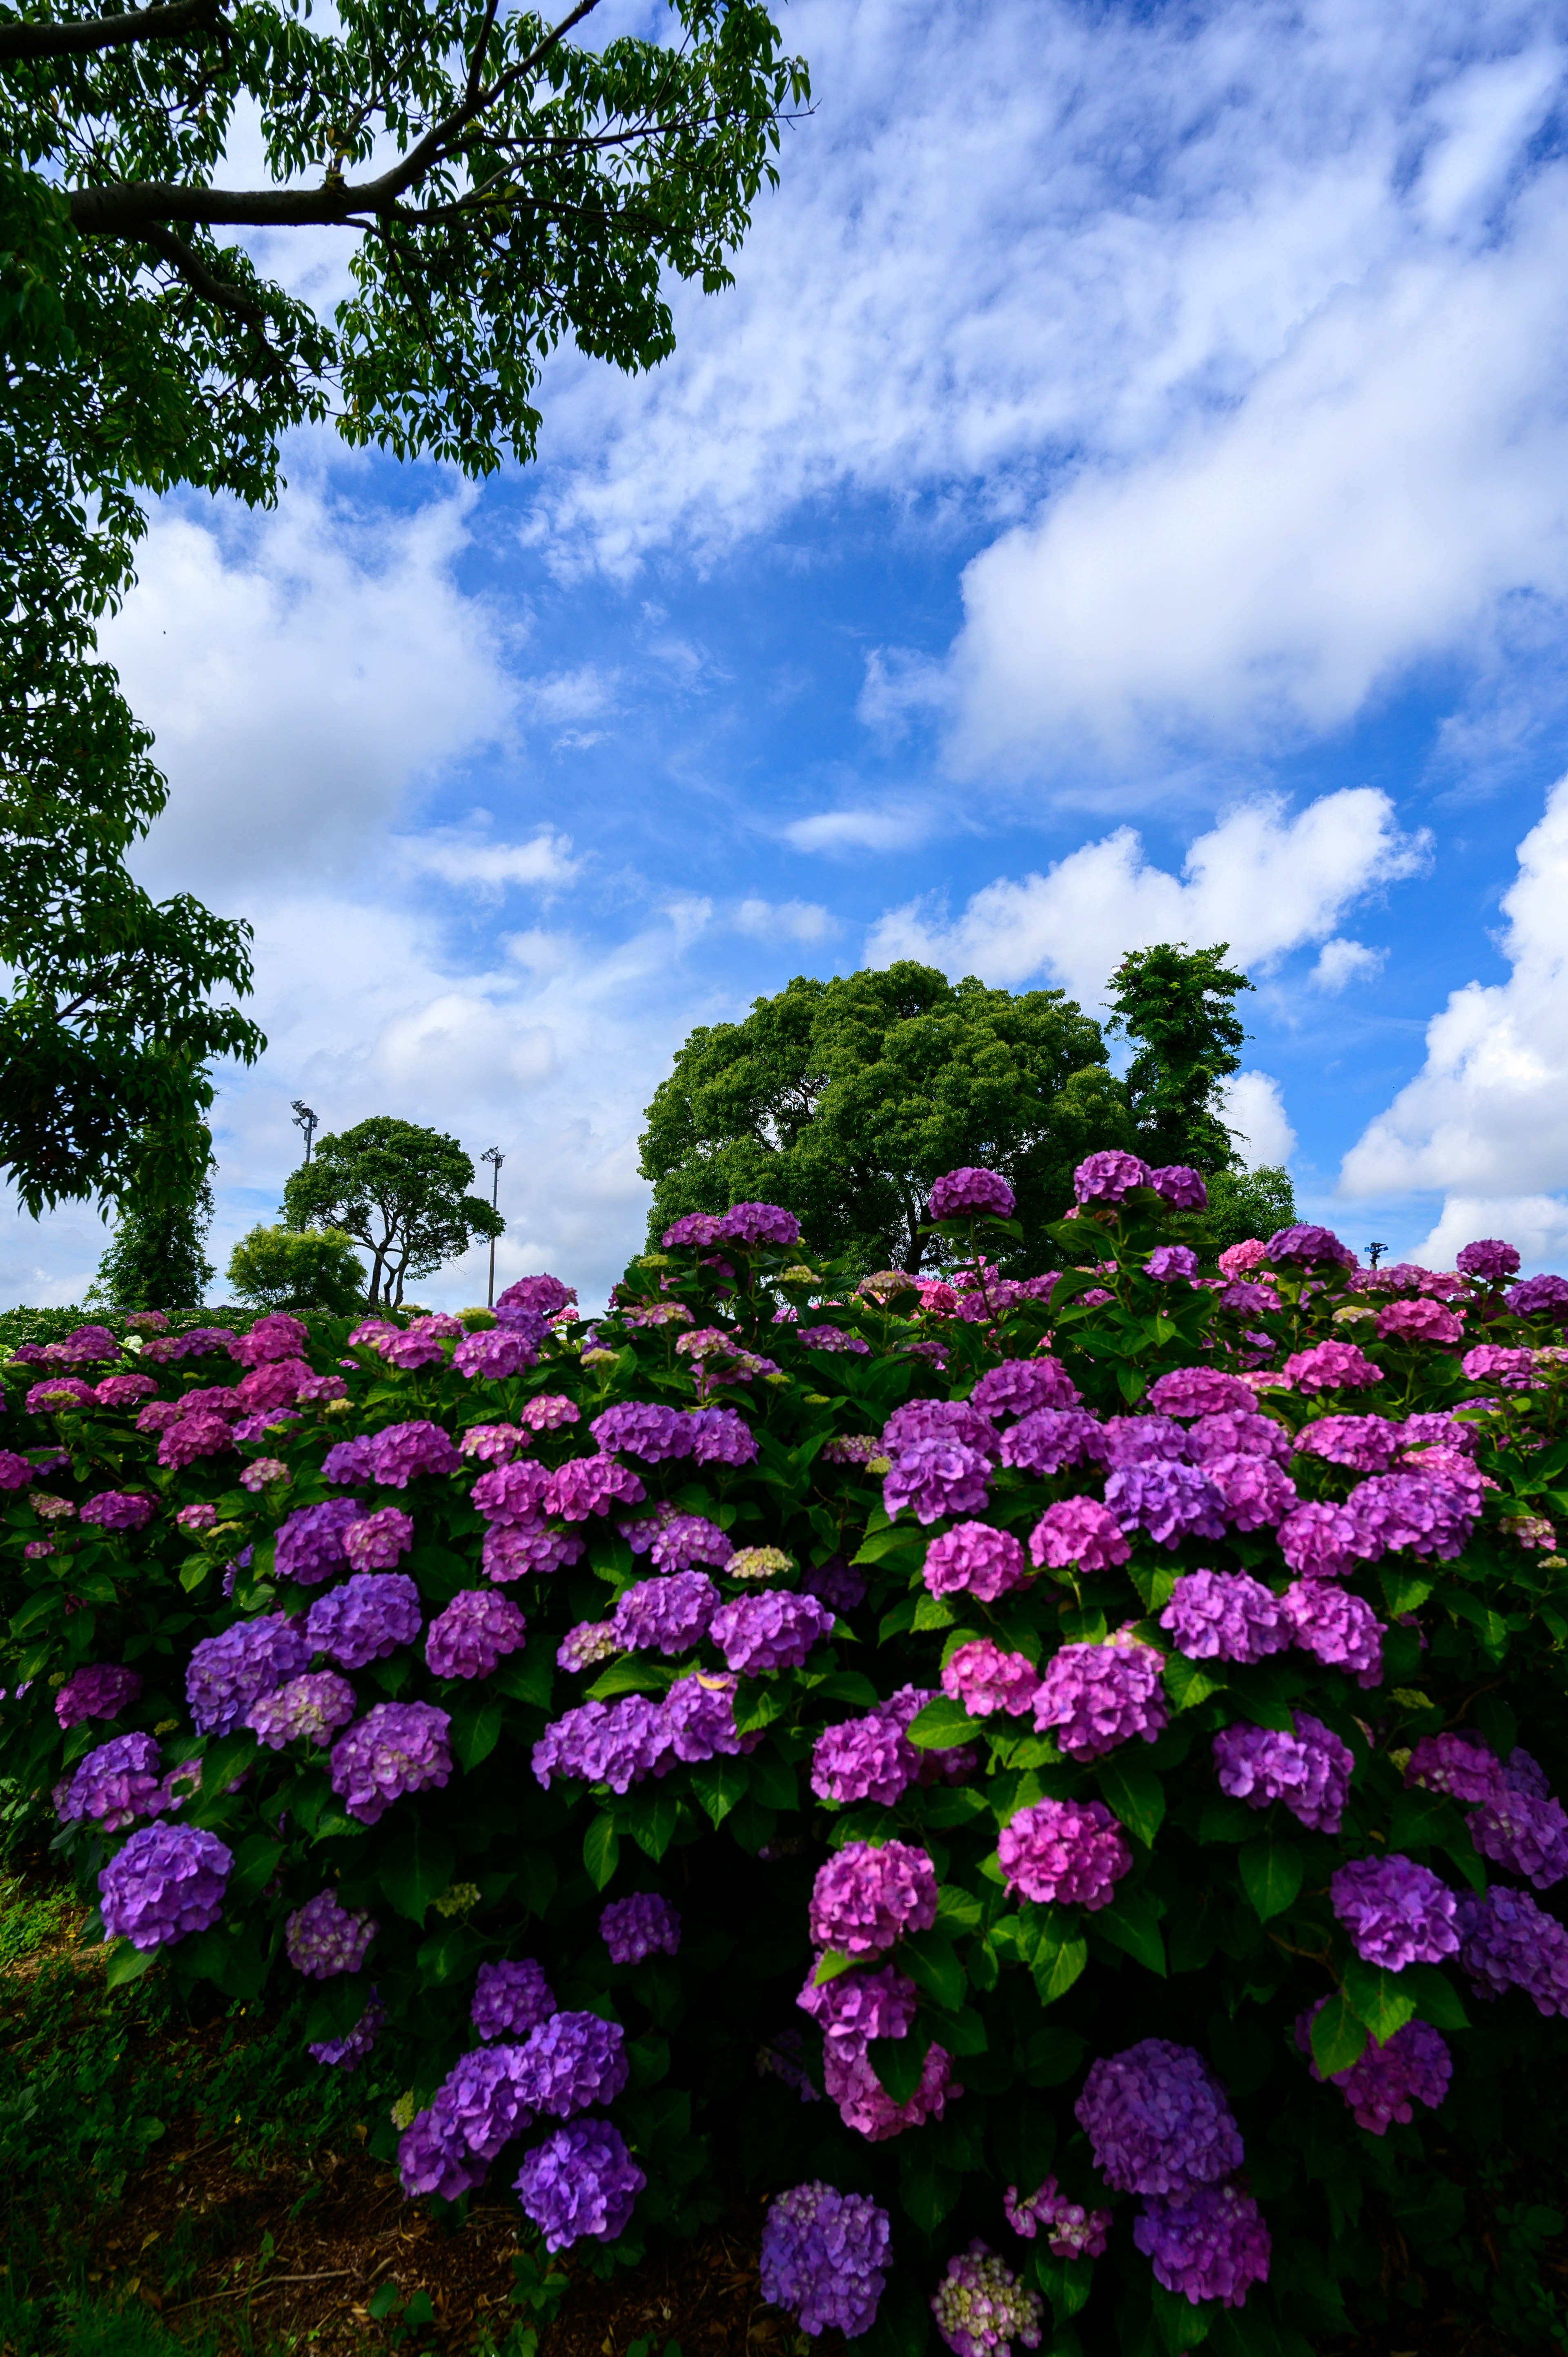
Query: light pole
{"type": "Point", "coordinates": [493, 1154]}
{"type": "Point", "coordinates": [307, 1121]}
{"type": "Point", "coordinates": [1375, 1252]}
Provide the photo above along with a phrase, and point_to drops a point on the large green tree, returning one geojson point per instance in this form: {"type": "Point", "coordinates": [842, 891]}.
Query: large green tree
{"type": "Point", "coordinates": [844, 1100]}
{"type": "Point", "coordinates": [502, 186]}
{"type": "Point", "coordinates": [401, 1192]}
{"type": "Point", "coordinates": [1175, 1005]}
{"type": "Point", "coordinates": [157, 1257]}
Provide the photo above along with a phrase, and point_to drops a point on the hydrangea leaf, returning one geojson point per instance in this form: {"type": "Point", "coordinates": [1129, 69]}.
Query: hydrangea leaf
{"type": "Point", "coordinates": [1271, 1874]}
{"type": "Point", "coordinates": [719, 1786]}
{"type": "Point", "coordinates": [899, 2063]}
{"type": "Point", "coordinates": [418, 1869]}
{"type": "Point", "coordinates": [1133, 1923]}
{"type": "Point", "coordinates": [1383, 2000]}
{"type": "Point", "coordinates": [932, 1962]}
{"type": "Point", "coordinates": [1436, 1998]}
{"type": "Point", "coordinates": [1135, 1795]}
{"type": "Point", "coordinates": [944, 1724]}
{"type": "Point", "coordinates": [601, 1849]}
{"type": "Point", "coordinates": [1338, 2036]}
{"type": "Point", "coordinates": [476, 1729]}
{"type": "Point", "coordinates": [1181, 2323]}
{"type": "Point", "coordinates": [127, 1964]}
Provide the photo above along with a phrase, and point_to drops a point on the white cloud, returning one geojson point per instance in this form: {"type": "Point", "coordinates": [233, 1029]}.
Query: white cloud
{"type": "Point", "coordinates": [886, 826]}
{"type": "Point", "coordinates": [1262, 881]}
{"type": "Point", "coordinates": [1536, 1225]}
{"type": "Point", "coordinates": [806, 922]}
{"type": "Point", "coordinates": [469, 858]}
{"type": "Point", "coordinates": [1255, 1111]}
{"type": "Point", "coordinates": [1341, 963]}
{"type": "Point", "coordinates": [1487, 1116]}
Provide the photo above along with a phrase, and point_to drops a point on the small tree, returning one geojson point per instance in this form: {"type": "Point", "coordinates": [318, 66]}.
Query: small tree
{"type": "Point", "coordinates": [156, 1259]}
{"type": "Point", "coordinates": [399, 1191]}
{"type": "Point", "coordinates": [298, 1268]}
{"type": "Point", "coordinates": [1176, 1004]}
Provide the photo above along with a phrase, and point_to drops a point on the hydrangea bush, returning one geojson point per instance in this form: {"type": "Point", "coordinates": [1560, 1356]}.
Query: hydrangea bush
{"type": "Point", "coordinates": [1056, 1781]}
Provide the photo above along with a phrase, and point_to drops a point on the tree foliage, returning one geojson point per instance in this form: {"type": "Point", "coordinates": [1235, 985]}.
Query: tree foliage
{"type": "Point", "coordinates": [844, 1100]}
{"type": "Point", "coordinates": [156, 1258]}
{"type": "Point", "coordinates": [1177, 1005]}
{"type": "Point", "coordinates": [297, 1269]}
{"type": "Point", "coordinates": [398, 1190]}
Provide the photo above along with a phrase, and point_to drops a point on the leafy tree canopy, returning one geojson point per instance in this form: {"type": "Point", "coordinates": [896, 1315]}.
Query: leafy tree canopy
{"type": "Point", "coordinates": [398, 1190]}
{"type": "Point", "coordinates": [156, 1258]}
{"type": "Point", "coordinates": [844, 1100]}
{"type": "Point", "coordinates": [1175, 1002]}
{"type": "Point", "coordinates": [298, 1268]}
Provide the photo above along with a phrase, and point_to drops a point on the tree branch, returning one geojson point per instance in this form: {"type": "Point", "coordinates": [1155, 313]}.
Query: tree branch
{"type": "Point", "coordinates": [197, 275]}
{"type": "Point", "coordinates": [91, 33]}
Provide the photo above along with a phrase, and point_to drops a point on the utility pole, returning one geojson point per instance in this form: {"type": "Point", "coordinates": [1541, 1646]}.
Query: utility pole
{"type": "Point", "coordinates": [494, 1155]}
{"type": "Point", "coordinates": [307, 1121]}
{"type": "Point", "coordinates": [1375, 1252]}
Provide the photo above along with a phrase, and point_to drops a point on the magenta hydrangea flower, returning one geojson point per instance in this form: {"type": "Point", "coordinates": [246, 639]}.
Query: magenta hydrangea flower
{"type": "Point", "coordinates": [536, 1297]}
{"type": "Point", "coordinates": [1460, 1765]}
{"type": "Point", "coordinates": [773, 1631]}
{"type": "Point", "coordinates": [1416, 1511]}
{"type": "Point", "coordinates": [1157, 2120]}
{"type": "Point", "coordinates": [471, 1635]}
{"type": "Point", "coordinates": [99, 1690]}
{"type": "Point", "coordinates": [1071, 1851]}
{"type": "Point", "coordinates": [229, 1673]}
{"type": "Point", "coordinates": [1141, 1440]}
{"type": "Point", "coordinates": [1225, 1615]}
{"type": "Point", "coordinates": [510, 1999]}
{"type": "Point", "coordinates": [396, 1747]}
{"type": "Point", "coordinates": [1396, 1911]}
{"type": "Point", "coordinates": [308, 1709]}
{"type": "Point", "coordinates": [346, 2054]}
{"type": "Point", "coordinates": [824, 2256]}
{"type": "Point", "coordinates": [1071, 2231]}
{"type": "Point", "coordinates": [119, 1510]}
{"type": "Point", "coordinates": [591, 1485]}
{"type": "Point", "coordinates": [494, 1444]}
{"type": "Point", "coordinates": [639, 1926]}
{"type": "Point", "coordinates": [1331, 1366]}
{"type": "Point", "coordinates": [1419, 1321]}
{"type": "Point", "coordinates": [1172, 1264]}
{"type": "Point", "coordinates": [166, 1882]}
{"type": "Point", "coordinates": [1369, 1443]}
{"type": "Point", "coordinates": [364, 1620]}
{"type": "Point", "coordinates": [936, 1478]}
{"type": "Point", "coordinates": [698, 1718]}
{"type": "Point", "coordinates": [1506, 1942]}
{"type": "Point", "coordinates": [1049, 1440]}
{"type": "Point", "coordinates": [984, 1678]}
{"type": "Point", "coordinates": [1310, 1770]}
{"type": "Point", "coordinates": [615, 1743]}
{"type": "Point", "coordinates": [1199, 1391]}
{"type": "Point", "coordinates": [1413, 2066]}
{"type": "Point", "coordinates": [866, 2105]}
{"type": "Point", "coordinates": [57, 1391]}
{"type": "Point", "coordinates": [958, 1420]}
{"type": "Point", "coordinates": [973, 1559]}
{"type": "Point", "coordinates": [1181, 1185]}
{"type": "Point", "coordinates": [854, 2007]}
{"type": "Point", "coordinates": [323, 1938]}
{"type": "Point", "coordinates": [864, 1899]}
{"type": "Point", "coordinates": [194, 1436]}
{"type": "Point", "coordinates": [521, 1550]}
{"type": "Point", "coordinates": [642, 1430]}
{"type": "Point", "coordinates": [378, 1541]}
{"type": "Point", "coordinates": [665, 1616]}
{"type": "Point", "coordinates": [870, 1758]}
{"type": "Point", "coordinates": [1169, 1501]}
{"type": "Point", "coordinates": [1078, 1533]}
{"type": "Point", "coordinates": [580, 2185]}
{"type": "Point", "coordinates": [980, 2306]}
{"type": "Point", "coordinates": [1339, 1629]}
{"type": "Point", "coordinates": [1108, 1176]}
{"type": "Point", "coordinates": [404, 1451]}
{"type": "Point", "coordinates": [675, 1542]}
{"type": "Point", "coordinates": [312, 1542]}
{"type": "Point", "coordinates": [1019, 1386]}
{"type": "Point", "coordinates": [1307, 1246]}
{"type": "Point", "coordinates": [1096, 1696]}
{"type": "Point", "coordinates": [1490, 1259]}
{"type": "Point", "coordinates": [496, 1352]}
{"type": "Point", "coordinates": [511, 1492]}
{"type": "Point", "coordinates": [1255, 1493]}
{"type": "Point", "coordinates": [1321, 1541]}
{"type": "Point", "coordinates": [1211, 2243]}
{"type": "Point", "coordinates": [1496, 1362]}
{"type": "Point", "coordinates": [757, 1223]}
{"type": "Point", "coordinates": [966, 1193]}
{"type": "Point", "coordinates": [1525, 1834]}
{"type": "Point", "coordinates": [114, 1784]}
{"type": "Point", "coordinates": [1237, 1433]}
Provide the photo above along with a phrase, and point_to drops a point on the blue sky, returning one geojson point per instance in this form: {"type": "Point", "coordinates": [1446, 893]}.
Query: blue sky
{"type": "Point", "coordinates": [1124, 497]}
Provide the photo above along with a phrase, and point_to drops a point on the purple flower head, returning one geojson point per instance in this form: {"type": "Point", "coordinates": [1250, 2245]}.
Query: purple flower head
{"type": "Point", "coordinates": [1225, 1615]}
{"type": "Point", "coordinates": [510, 1999]}
{"type": "Point", "coordinates": [1096, 1696]}
{"type": "Point", "coordinates": [480, 2103]}
{"type": "Point", "coordinates": [1107, 1177]}
{"type": "Point", "coordinates": [865, 2105]}
{"type": "Point", "coordinates": [695, 1228]}
{"type": "Point", "coordinates": [1181, 1185]}
{"type": "Point", "coordinates": [966, 1193]}
{"type": "Point", "coordinates": [346, 1460]}
{"type": "Point", "coordinates": [1141, 1440]}
{"type": "Point", "coordinates": [1212, 2244]}
{"type": "Point", "coordinates": [1369, 1443]}
{"type": "Point", "coordinates": [347, 2053]}
{"type": "Point", "coordinates": [494, 1444]}
{"type": "Point", "coordinates": [119, 1510]}
{"type": "Point", "coordinates": [168, 1880]}
{"type": "Point", "coordinates": [1339, 1629]}
{"type": "Point", "coordinates": [1540, 1297]}
{"type": "Point", "coordinates": [870, 1758]}
{"type": "Point", "coordinates": [1413, 2066]}
{"type": "Point", "coordinates": [1419, 1321]}
{"type": "Point", "coordinates": [308, 1709]}
{"type": "Point", "coordinates": [114, 1785]}
{"type": "Point", "coordinates": [100, 1690]}
{"type": "Point", "coordinates": [698, 1718]}
{"type": "Point", "coordinates": [591, 1485]}
{"type": "Point", "coordinates": [1321, 1541]}
{"type": "Point", "coordinates": [975, 1560]}
{"type": "Point", "coordinates": [675, 1542]}
{"type": "Point", "coordinates": [571, 2060]}
{"type": "Point", "coordinates": [377, 1543]}
{"type": "Point", "coordinates": [1460, 1765]}
{"type": "Point", "coordinates": [1047, 1439]}
{"type": "Point", "coordinates": [773, 1631]}
{"type": "Point", "coordinates": [365, 1620]}
{"type": "Point", "coordinates": [1524, 1834]}
{"type": "Point", "coordinates": [1489, 1259]}
{"type": "Point", "coordinates": [984, 1679]}
{"type": "Point", "coordinates": [757, 1223]}
{"type": "Point", "coordinates": [1331, 1366]}
{"type": "Point", "coordinates": [1071, 1851]}
{"type": "Point", "coordinates": [535, 1296]}
{"type": "Point", "coordinates": [276, 1336]}
{"type": "Point", "coordinates": [1199, 1391]}
{"type": "Point", "coordinates": [580, 2184]}
{"type": "Point", "coordinates": [665, 1616]}
{"type": "Point", "coordinates": [1494, 1363]}
{"type": "Point", "coordinates": [1169, 1501]}
{"type": "Point", "coordinates": [838, 1584]}
{"type": "Point", "coordinates": [865, 1899]}
{"type": "Point", "coordinates": [228, 1674]}
{"type": "Point", "coordinates": [1396, 1911]}
{"type": "Point", "coordinates": [321, 1938]}
{"type": "Point", "coordinates": [589, 1643]}
{"type": "Point", "coordinates": [1071, 2231]}
{"type": "Point", "coordinates": [824, 2254]}
{"type": "Point", "coordinates": [639, 1926]}
{"type": "Point", "coordinates": [959, 1420]}
{"type": "Point", "coordinates": [854, 2007]}
{"type": "Point", "coordinates": [432, 2157]}
{"type": "Point", "coordinates": [496, 1352]}
{"type": "Point", "coordinates": [642, 1430]}
{"type": "Point", "coordinates": [1310, 1770]}
{"type": "Point", "coordinates": [396, 1747]}
{"type": "Point", "coordinates": [404, 1451]}
{"type": "Point", "coordinates": [936, 1478]}
{"type": "Point", "coordinates": [979, 2305]}
{"type": "Point", "coordinates": [124, 1391]}
{"type": "Point", "coordinates": [1172, 1264]}
{"type": "Point", "coordinates": [1418, 1511]}
{"type": "Point", "coordinates": [471, 1636]}
{"type": "Point", "coordinates": [514, 1551]}
{"type": "Point", "coordinates": [615, 1743]}
{"type": "Point", "coordinates": [1019, 1386]}
{"type": "Point", "coordinates": [57, 1391]}
{"type": "Point", "coordinates": [312, 1542]}
{"type": "Point", "coordinates": [1307, 1248]}
{"type": "Point", "coordinates": [723, 1436]}
{"type": "Point", "coordinates": [15, 1472]}
{"type": "Point", "coordinates": [1506, 1942]}
{"type": "Point", "coordinates": [1255, 1493]}
{"type": "Point", "coordinates": [1077, 1533]}
{"type": "Point", "coordinates": [512, 1493]}
{"type": "Point", "coordinates": [832, 1338]}
{"type": "Point", "coordinates": [1157, 2120]}
{"type": "Point", "coordinates": [194, 1436]}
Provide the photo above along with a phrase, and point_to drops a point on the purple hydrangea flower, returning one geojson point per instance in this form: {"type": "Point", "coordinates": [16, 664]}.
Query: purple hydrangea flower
{"type": "Point", "coordinates": [308, 1709]}
{"type": "Point", "coordinates": [481, 2102]}
{"type": "Point", "coordinates": [1172, 1264]}
{"type": "Point", "coordinates": [519, 1550]}
{"type": "Point", "coordinates": [973, 1559]}
{"type": "Point", "coordinates": [963, 1193]}
{"type": "Point", "coordinates": [1331, 1366]}
{"type": "Point", "coordinates": [322, 1938]}
{"type": "Point", "coordinates": [228, 1674]}
{"type": "Point", "coordinates": [404, 1451]}
{"type": "Point", "coordinates": [1254, 1492]}
{"type": "Point", "coordinates": [665, 1616]}
{"type": "Point", "coordinates": [838, 1584]}
{"type": "Point", "coordinates": [984, 1678]}
{"type": "Point", "coordinates": [535, 1296]}
{"type": "Point", "coordinates": [1506, 1942]}
{"type": "Point", "coordinates": [1107, 1177]}
{"type": "Point", "coordinates": [1539, 1296]}
{"type": "Point", "coordinates": [1157, 2120]}
{"type": "Point", "coordinates": [432, 2157]}
{"type": "Point", "coordinates": [99, 1690]}
{"type": "Point", "coordinates": [1340, 1629]}
{"type": "Point", "coordinates": [980, 2306]}
{"type": "Point", "coordinates": [865, 2105]}
{"type": "Point", "coordinates": [757, 1223]}
{"type": "Point", "coordinates": [832, 1338]}
{"type": "Point", "coordinates": [1078, 1533]}
{"type": "Point", "coordinates": [936, 1478]}
{"type": "Point", "coordinates": [1412, 1511]}
{"type": "Point", "coordinates": [615, 1743]}
{"type": "Point", "coordinates": [1071, 1851]}
{"type": "Point", "coordinates": [1460, 1765]}
{"type": "Point", "coordinates": [365, 1620]}
{"type": "Point", "coordinates": [1225, 1615]}
{"type": "Point", "coordinates": [581, 2184]}
{"type": "Point", "coordinates": [1141, 1440]}
{"type": "Point", "coordinates": [865, 1899]}
{"type": "Point", "coordinates": [1321, 1541]}
{"type": "Point", "coordinates": [698, 1719]}
{"type": "Point", "coordinates": [949, 1420]}
{"type": "Point", "coordinates": [1211, 2243]}
{"type": "Point", "coordinates": [591, 1485]}
{"type": "Point", "coordinates": [1071, 2231]}
{"type": "Point", "coordinates": [1234, 1432]}
{"type": "Point", "coordinates": [1495, 1362]}
{"type": "Point", "coordinates": [570, 2060]}
{"type": "Point", "coordinates": [1181, 1185]}
{"type": "Point", "coordinates": [167, 1881]}
{"type": "Point", "coordinates": [1310, 1770]}
{"type": "Point", "coordinates": [681, 1541]}
{"type": "Point", "coordinates": [114, 1785]}
{"type": "Point", "coordinates": [510, 1999]}
{"type": "Point", "coordinates": [723, 1436]}
{"type": "Point", "coordinates": [1022, 1386]}
{"type": "Point", "coordinates": [1490, 1259]}
{"type": "Point", "coordinates": [643, 1430]}
{"type": "Point", "coordinates": [824, 2256]}
{"type": "Point", "coordinates": [346, 2054]}
{"type": "Point", "coordinates": [1396, 1911]}
{"type": "Point", "coordinates": [635, 1927]}
{"type": "Point", "coordinates": [1095, 1696]}
{"type": "Point", "coordinates": [1524, 1834]}
{"type": "Point", "coordinates": [119, 1510]}
{"type": "Point", "coordinates": [854, 2007]}
{"type": "Point", "coordinates": [1414, 2065]}
{"type": "Point", "coordinates": [511, 1492]}
{"type": "Point", "coordinates": [1199, 1391]}
{"type": "Point", "coordinates": [494, 1444]}
{"type": "Point", "coordinates": [870, 1758]}
{"type": "Point", "coordinates": [494, 1353]}
{"type": "Point", "coordinates": [396, 1747]}
{"type": "Point", "coordinates": [311, 1543]}
{"type": "Point", "coordinates": [471, 1636]}
{"type": "Point", "coordinates": [1170, 1502]}
{"type": "Point", "coordinates": [378, 1541]}
{"type": "Point", "coordinates": [1307, 1246]}
{"type": "Point", "coordinates": [773, 1631]}
{"type": "Point", "coordinates": [1369, 1443]}
{"type": "Point", "coordinates": [194, 1436]}
{"type": "Point", "coordinates": [589, 1643]}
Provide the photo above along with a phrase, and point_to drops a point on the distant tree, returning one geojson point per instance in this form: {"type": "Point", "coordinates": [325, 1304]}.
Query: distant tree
{"type": "Point", "coordinates": [844, 1100]}
{"type": "Point", "coordinates": [400, 1192]}
{"type": "Point", "coordinates": [156, 1259]}
{"type": "Point", "coordinates": [1244, 1203]}
{"type": "Point", "coordinates": [298, 1268]}
{"type": "Point", "coordinates": [1174, 1003]}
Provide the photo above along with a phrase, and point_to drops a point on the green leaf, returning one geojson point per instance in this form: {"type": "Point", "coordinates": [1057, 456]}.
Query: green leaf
{"type": "Point", "coordinates": [475, 1730]}
{"type": "Point", "coordinates": [1406, 1591]}
{"type": "Point", "coordinates": [932, 1962]}
{"type": "Point", "coordinates": [758, 1702]}
{"type": "Point", "coordinates": [927, 2191]}
{"type": "Point", "coordinates": [1338, 2036]}
{"type": "Point", "coordinates": [255, 1860]}
{"type": "Point", "coordinates": [1133, 1923]}
{"type": "Point", "coordinates": [934, 1612]}
{"type": "Point", "coordinates": [942, 1726]}
{"type": "Point", "coordinates": [527, 1676]}
{"type": "Point", "coordinates": [719, 1786]}
{"type": "Point", "coordinates": [1058, 1960]}
{"type": "Point", "coordinates": [880, 1544]}
{"type": "Point", "coordinates": [193, 1571]}
{"type": "Point", "coordinates": [1436, 1998]}
{"type": "Point", "coordinates": [962, 2032]}
{"type": "Point", "coordinates": [1133, 1792]}
{"type": "Point", "coordinates": [773, 1781]}
{"type": "Point", "coordinates": [899, 2063]}
{"type": "Point", "coordinates": [1272, 1876]}
{"type": "Point", "coordinates": [419, 1868]}
{"type": "Point", "coordinates": [634, 1673]}
{"type": "Point", "coordinates": [127, 1964]}
{"type": "Point", "coordinates": [831, 1965]}
{"type": "Point", "coordinates": [601, 1849]}
{"type": "Point", "coordinates": [957, 1909]}
{"type": "Point", "coordinates": [752, 1825]}
{"type": "Point", "coordinates": [1155, 1583]}
{"type": "Point", "coordinates": [1180, 2324]}
{"type": "Point", "coordinates": [1226, 1820]}
{"type": "Point", "coordinates": [1050, 2056]}
{"type": "Point", "coordinates": [1384, 2001]}
{"type": "Point", "coordinates": [651, 1819]}
{"type": "Point", "coordinates": [1188, 1683]}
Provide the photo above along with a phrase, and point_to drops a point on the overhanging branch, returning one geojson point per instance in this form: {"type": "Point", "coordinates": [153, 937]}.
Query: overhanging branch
{"type": "Point", "coordinates": [91, 33]}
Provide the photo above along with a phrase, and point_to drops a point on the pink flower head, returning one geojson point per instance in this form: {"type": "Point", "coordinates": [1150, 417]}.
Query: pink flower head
{"type": "Point", "coordinates": [757, 1223]}
{"type": "Point", "coordinates": [377, 1540]}
{"type": "Point", "coordinates": [124, 1391]}
{"type": "Point", "coordinates": [864, 1899]}
{"type": "Point", "coordinates": [1419, 1321]}
{"type": "Point", "coordinates": [1199, 1391]}
{"type": "Point", "coordinates": [535, 1296]}
{"type": "Point", "coordinates": [1493, 1362]}
{"type": "Point", "coordinates": [1331, 1366]}
{"type": "Point", "coordinates": [984, 1679]}
{"type": "Point", "coordinates": [1490, 1259]}
{"type": "Point", "coordinates": [1107, 1177]}
{"type": "Point", "coordinates": [1340, 1629]}
{"type": "Point", "coordinates": [966, 1192]}
{"type": "Point", "coordinates": [276, 1336]}
{"type": "Point", "coordinates": [1071, 2231]}
{"type": "Point", "coordinates": [549, 1411]}
{"type": "Point", "coordinates": [1239, 1260]}
{"type": "Point", "coordinates": [974, 1559]}
{"type": "Point", "coordinates": [1078, 1533]}
{"type": "Point", "coordinates": [864, 2104]}
{"type": "Point", "coordinates": [1070, 1851]}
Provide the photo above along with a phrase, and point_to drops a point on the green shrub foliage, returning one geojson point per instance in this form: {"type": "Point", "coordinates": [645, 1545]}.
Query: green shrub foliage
{"type": "Point", "coordinates": [298, 1268]}
{"type": "Point", "coordinates": [1226, 1830]}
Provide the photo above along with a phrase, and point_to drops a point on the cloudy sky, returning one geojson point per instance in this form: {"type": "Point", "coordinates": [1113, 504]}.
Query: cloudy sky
{"type": "Point", "coordinates": [1124, 498]}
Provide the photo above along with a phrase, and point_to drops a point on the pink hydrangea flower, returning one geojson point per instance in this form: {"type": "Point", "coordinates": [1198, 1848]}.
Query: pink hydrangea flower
{"type": "Point", "coordinates": [1078, 1533]}
{"type": "Point", "coordinates": [1419, 1321]}
{"type": "Point", "coordinates": [974, 1559]}
{"type": "Point", "coordinates": [1331, 1366]}
{"type": "Point", "coordinates": [984, 1678]}
{"type": "Point", "coordinates": [1071, 1851]}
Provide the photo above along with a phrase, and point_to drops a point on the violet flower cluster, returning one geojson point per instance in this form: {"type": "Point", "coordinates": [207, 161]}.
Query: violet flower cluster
{"type": "Point", "coordinates": [510, 1999]}
{"type": "Point", "coordinates": [980, 2306]}
{"type": "Point", "coordinates": [870, 1758]}
{"type": "Point", "coordinates": [973, 1559]}
{"type": "Point", "coordinates": [1074, 1852]}
{"type": "Point", "coordinates": [1309, 1770]}
{"type": "Point", "coordinates": [472, 1634]}
{"type": "Point", "coordinates": [581, 2184]}
{"type": "Point", "coordinates": [396, 1747]}
{"type": "Point", "coordinates": [864, 2103]}
{"type": "Point", "coordinates": [1096, 1696]}
{"type": "Point", "coordinates": [773, 1631]}
{"type": "Point", "coordinates": [1413, 2066]}
{"type": "Point", "coordinates": [639, 1926]}
{"type": "Point", "coordinates": [824, 2257]}
{"type": "Point", "coordinates": [365, 1620]}
{"type": "Point", "coordinates": [308, 1709]}
{"type": "Point", "coordinates": [1209, 2243]}
{"type": "Point", "coordinates": [99, 1690]}
{"type": "Point", "coordinates": [1225, 1615]}
{"type": "Point", "coordinates": [1396, 1911]}
{"type": "Point", "coordinates": [864, 1899]}
{"type": "Point", "coordinates": [1507, 1941]}
{"type": "Point", "coordinates": [323, 1938]}
{"type": "Point", "coordinates": [1157, 2120]}
{"type": "Point", "coordinates": [1071, 2231]}
{"type": "Point", "coordinates": [166, 1882]}
{"type": "Point", "coordinates": [665, 1616]}
{"type": "Point", "coordinates": [114, 1785]}
{"type": "Point", "coordinates": [984, 1679]}
{"type": "Point", "coordinates": [227, 1673]}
